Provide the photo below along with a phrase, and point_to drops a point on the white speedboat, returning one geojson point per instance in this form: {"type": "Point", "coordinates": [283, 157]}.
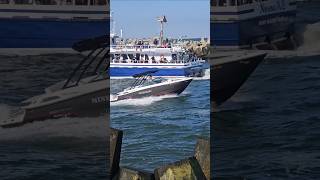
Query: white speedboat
{"type": "Point", "coordinates": [145, 86]}
{"type": "Point", "coordinates": [84, 94]}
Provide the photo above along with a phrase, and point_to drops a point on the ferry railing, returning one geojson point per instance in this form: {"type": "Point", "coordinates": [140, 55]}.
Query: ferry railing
{"type": "Point", "coordinates": [140, 47]}
{"type": "Point", "coordinates": [133, 46]}
{"type": "Point", "coordinates": [155, 62]}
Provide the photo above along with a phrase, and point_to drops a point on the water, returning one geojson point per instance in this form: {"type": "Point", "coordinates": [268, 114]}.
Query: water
{"type": "Point", "coordinates": [161, 130]}
{"type": "Point", "coordinates": [67, 148]}
{"type": "Point", "coordinates": [270, 128]}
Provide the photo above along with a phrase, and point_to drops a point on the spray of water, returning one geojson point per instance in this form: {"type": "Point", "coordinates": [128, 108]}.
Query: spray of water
{"type": "Point", "coordinates": [142, 101]}
{"type": "Point", "coordinates": [311, 38]}
{"type": "Point", "coordinates": [309, 47]}
{"type": "Point", "coordinates": [63, 127]}
{"type": "Point", "coordinates": [205, 77]}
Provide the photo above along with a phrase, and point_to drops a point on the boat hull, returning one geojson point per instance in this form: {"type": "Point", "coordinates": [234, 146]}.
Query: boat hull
{"type": "Point", "coordinates": [89, 105]}
{"type": "Point", "coordinates": [168, 89]}
{"type": "Point", "coordinates": [259, 26]}
{"type": "Point", "coordinates": [48, 33]}
{"type": "Point", "coordinates": [228, 77]}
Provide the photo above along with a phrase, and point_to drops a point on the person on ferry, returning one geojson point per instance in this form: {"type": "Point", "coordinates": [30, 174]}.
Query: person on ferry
{"type": "Point", "coordinates": [165, 60]}
{"type": "Point", "coordinates": [162, 59]}
{"type": "Point", "coordinates": [155, 41]}
{"type": "Point", "coordinates": [166, 42]}
{"type": "Point", "coordinates": [153, 59]}
{"type": "Point", "coordinates": [146, 58]}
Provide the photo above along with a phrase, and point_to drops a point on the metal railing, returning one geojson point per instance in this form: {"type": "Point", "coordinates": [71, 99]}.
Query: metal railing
{"type": "Point", "coordinates": [138, 47]}
{"type": "Point", "coordinates": [156, 61]}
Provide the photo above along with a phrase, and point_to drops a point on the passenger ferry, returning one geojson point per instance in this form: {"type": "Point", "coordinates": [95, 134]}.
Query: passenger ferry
{"type": "Point", "coordinates": [245, 24]}
{"type": "Point", "coordinates": [166, 59]}
{"type": "Point", "coordinates": [127, 61]}
{"type": "Point", "coordinates": [51, 23]}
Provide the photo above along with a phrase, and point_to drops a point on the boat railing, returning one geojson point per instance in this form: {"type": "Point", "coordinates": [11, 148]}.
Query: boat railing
{"type": "Point", "coordinates": [131, 47]}
{"type": "Point", "coordinates": [154, 62]}
{"type": "Point", "coordinates": [143, 46]}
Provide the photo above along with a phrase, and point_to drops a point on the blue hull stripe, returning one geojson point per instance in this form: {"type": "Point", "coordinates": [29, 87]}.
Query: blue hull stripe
{"type": "Point", "coordinates": [125, 71]}
{"type": "Point", "coordinates": [40, 33]}
{"type": "Point", "coordinates": [233, 13]}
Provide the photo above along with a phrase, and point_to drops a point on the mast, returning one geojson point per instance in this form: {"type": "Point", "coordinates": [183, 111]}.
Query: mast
{"type": "Point", "coordinates": [162, 20]}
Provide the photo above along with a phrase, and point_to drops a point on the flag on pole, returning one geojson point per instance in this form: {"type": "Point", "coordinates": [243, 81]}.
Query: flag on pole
{"type": "Point", "coordinates": [162, 19]}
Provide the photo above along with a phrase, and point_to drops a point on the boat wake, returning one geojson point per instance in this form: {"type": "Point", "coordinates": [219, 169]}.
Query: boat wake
{"type": "Point", "coordinates": [229, 106]}
{"type": "Point", "coordinates": [311, 38]}
{"type": "Point", "coordinates": [5, 111]}
{"type": "Point", "coordinates": [309, 47]}
{"type": "Point", "coordinates": [141, 101]}
{"type": "Point", "coordinates": [205, 77]}
{"type": "Point", "coordinates": [53, 128]}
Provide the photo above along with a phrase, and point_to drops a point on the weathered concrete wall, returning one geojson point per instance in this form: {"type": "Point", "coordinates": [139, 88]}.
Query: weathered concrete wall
{"type": "Point", "coordinates": [202, 154]}
{"type": "Point", "coordinates": [184, 169]}
{"type": "Point", "coordinates": [192, 168]}
{"type": "Point", "coordinates": [115, 150]}
{"type": "Point", "coordinates": [133, 174]}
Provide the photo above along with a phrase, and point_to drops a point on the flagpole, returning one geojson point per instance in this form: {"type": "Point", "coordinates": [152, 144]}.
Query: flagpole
{"type": "Point", "coordinates": [161, 33]}
{"type": "Point", "coordinates": [162, 20]}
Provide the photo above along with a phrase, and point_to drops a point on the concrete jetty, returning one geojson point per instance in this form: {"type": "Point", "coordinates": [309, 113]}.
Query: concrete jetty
{"type": "Point", "coordinates": [185, 169]}
{"type": "Point", "coordinates": [196, 167]}
{"type": "Point", "coordinates": [126, 173]}
{"type": "Point", "coordinates": [115, 150]}
{"type": "Point", "coordinates": [202, 154]}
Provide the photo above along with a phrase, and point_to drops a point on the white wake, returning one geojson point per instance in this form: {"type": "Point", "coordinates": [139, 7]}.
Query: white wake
{"type": "Point", "coordinates": [309, 47]}
{"type": "Point", "coordinates": [205, 77]}
{"type": "Point", "coordinates": [142, 101]}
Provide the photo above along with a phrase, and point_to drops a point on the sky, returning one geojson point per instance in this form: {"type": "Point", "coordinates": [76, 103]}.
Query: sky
{"type": "Point", "coordinates": [138, 18]}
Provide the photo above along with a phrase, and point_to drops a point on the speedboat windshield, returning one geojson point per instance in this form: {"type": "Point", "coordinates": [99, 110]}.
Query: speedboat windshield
{"type": "Point", "coordinates": [145, 81]}
{"type": "Point", "coordinates": [158, 79]}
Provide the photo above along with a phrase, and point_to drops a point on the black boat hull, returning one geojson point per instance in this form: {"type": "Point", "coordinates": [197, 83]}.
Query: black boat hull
{"type": "Point", "coordinates": [88, 105]}
{"type": "Point", "coordinates": [168, 89]}
{"type": "Point", "coordinates": [228, 77]}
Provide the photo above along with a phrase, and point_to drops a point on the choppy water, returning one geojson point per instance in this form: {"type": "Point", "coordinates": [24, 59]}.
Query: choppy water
{"type": "Point", "coordinates": [69, 148]}
{"type": "Point", "coordinates": [270, 128]}
{"type": "Point", "coordinates": [161, 130]}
